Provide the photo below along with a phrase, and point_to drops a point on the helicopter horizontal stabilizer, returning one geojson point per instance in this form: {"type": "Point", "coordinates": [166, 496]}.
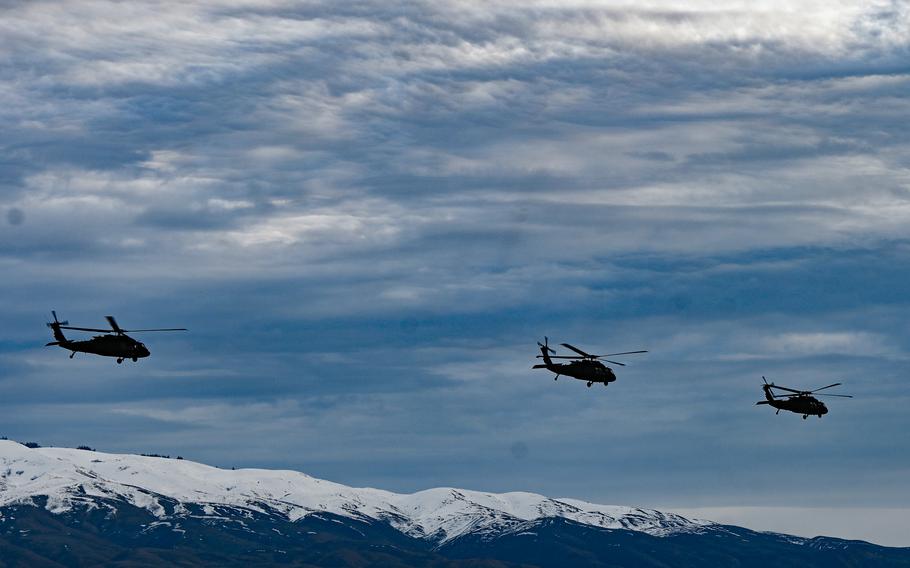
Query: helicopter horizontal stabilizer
{"type": "Point", "coordinates": [762, 402]}
{"type": "Point", "coordinates": [539, 367]}
{"type": "Point", "coordinates": [52, 343]}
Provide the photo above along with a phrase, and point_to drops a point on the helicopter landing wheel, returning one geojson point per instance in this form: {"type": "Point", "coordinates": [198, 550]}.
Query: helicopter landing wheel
{"type": "Point", "coordinates": [606, 384]}
{"type": "Point", "coordinates": [805, 416]}
{"type": "Point", "coordinates": [73, 354]}
{"type": "Point", "coordinates": [135, 359]}
{"type": "Point", "coordinates": [589, 385]}
{"type": "Point", "coordinates": [119, 360]}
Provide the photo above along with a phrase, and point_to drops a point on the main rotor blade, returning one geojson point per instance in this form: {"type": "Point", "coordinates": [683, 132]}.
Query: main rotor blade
{"type": "Point", "coordinates": [773, 386]}
{"type": "Point", "coordinates": [113, 322]}
{"type": "Point", "coordinates": [579, 357]}
{"type": "Point", "coordinates": [840, 395]}
{"type": "Point", "coordinates": [577, 350]}
{"type": "Point", "coordinates": [827, 387]}
{"type": "Point", "coordinates": [162, 329]}
{"type": "Point", "coordinates": [85, 329]}
{"type": "Point", "coordinates": [623, 353]}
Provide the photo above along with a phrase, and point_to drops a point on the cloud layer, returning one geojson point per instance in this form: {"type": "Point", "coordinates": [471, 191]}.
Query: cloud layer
{"type": "Point", "coordinates": [368, 213]}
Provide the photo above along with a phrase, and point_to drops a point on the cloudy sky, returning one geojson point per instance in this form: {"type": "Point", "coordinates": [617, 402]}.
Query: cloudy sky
{"type": "Point", "coordinates": [367, 215]}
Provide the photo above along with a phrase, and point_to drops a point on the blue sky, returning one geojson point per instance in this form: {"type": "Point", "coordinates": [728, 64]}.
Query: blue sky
{"type": "Point", "coordinates": [367, 215]}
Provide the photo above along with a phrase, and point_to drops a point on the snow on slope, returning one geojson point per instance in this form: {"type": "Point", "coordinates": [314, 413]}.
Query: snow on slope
{"type": "Point", "coordinates": [70, 478]}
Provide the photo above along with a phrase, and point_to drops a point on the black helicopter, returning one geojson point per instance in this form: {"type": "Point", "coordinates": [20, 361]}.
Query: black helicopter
{"type": "Point", "coordinates": [585, 367]}
{"type": "Point", "coordinates": [800, 402]}
{"type": "Point", "coordinates": [116, 342]}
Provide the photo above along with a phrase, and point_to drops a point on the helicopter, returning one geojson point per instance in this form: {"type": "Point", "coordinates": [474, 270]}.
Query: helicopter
{"type": "Point", "coordinates": [116, 342]}
{"type": "Point", "coordinates": [585, 367]}
{"type": "Point", "coordinates": [800, 402]}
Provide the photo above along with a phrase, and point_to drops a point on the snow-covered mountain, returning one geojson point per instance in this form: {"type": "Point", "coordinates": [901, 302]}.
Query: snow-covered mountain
{"type": "Point", "coordinates": [65, 507]}
{"type": "Point", "coordinates": [70, 479]}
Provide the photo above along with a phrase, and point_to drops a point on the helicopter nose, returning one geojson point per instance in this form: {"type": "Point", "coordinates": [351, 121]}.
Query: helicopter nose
{"type": "Point", "coordinates": [142, 351]}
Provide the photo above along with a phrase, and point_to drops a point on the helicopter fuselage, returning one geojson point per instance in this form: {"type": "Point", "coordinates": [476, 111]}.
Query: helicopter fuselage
{"type": "Point", "coordinates": [111, 345]}
{"type": "Point", "coordinates": [589, 370]}
{"type": "Point", "coordinates": [805, 405]}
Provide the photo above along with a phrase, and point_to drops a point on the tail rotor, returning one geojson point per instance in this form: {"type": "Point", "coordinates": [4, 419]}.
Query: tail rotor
{"type": "Point", "coordinates": [55, 325]}
{"type": "Point", "coordinates": [546, 345]}
{"type": "Point", "coordinates": [56, 322]}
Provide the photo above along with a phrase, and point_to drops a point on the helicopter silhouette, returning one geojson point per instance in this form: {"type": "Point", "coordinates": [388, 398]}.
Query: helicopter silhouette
{"type": "Point", "coordinates": [585, 367]}
{"type": "Point", "coordinates": [800, 402]}
{"type": "Point", "coordinates": [115, 342]}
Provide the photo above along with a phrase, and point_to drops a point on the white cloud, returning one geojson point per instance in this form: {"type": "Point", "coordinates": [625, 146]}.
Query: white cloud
{"type": "Point", "coordinates": [884, 526]}
{"type": "Point", "coordinates": [828, 343]}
